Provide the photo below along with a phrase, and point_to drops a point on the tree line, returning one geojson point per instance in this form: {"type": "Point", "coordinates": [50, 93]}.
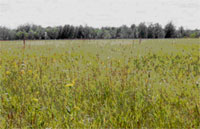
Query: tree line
{"type": "Point", "coordinates": [33, 32]}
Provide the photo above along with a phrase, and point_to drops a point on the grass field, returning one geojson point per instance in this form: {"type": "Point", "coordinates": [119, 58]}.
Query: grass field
{"type": "Point", "coordinates": [100, 84]}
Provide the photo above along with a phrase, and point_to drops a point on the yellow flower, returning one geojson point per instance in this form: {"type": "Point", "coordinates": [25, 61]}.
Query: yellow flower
{"type": "Point", "coordinates": [22, 72]}
{"type": "Point", "coordinates": [73, 82]}
{"type": "Point", "coordinates": [7, 72]}
{"type": "Point", "coordinates": [35, 100]}
{"type": "Point", "coordinates": [35, 76]}
{"type": "Point", "coordinates": [70, 84]}
{"type": "Point", "coordinates": [37, 92]}
{"type": "Point", "coordinates": [146, 80]}
{"type": "Point", "coordinates": [54, 60]}
{"type": "Point", "coordinates": [30, 71]}
{"type": "Point", "coordinates": [15, 65]}
{"type": "Point", "coordinates": [77, 108]}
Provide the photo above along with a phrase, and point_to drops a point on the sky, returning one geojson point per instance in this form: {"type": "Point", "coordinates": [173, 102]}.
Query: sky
{"type": "Point", "coordinates": [98, 13]}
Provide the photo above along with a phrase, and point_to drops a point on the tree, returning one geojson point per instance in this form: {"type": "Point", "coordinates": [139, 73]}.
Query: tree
{"type": "Point", "coordinates": [52, 32]}
{"type": "Point", "coordinates": [158, 31]}
{"type": "Point", "coordinates": [105, 34]}
{"type": "Point", "coordinates": [181, 32]}
{"type": "Point", "coordinates": [21, 35]}
{"type": "Point", "coordinates": [31, 31]}
{"type": "Point", "coordinates": [60, 31]}
{"type": "Point", "coordinates": [24, 28]}
{"type": "Point", "coordinates": [4, 33]}
{"type": "Point", "coordinates": [170, 30]}
{"type": "Point", "coordinates": [12, 35]}
{"type": "Point", "coordinates": [86, 32]}
{"type": "Point", "coordinates": [113, 32]}
{"type": "Point", "coordinates": [7, 34]}
{"type": "Point", "coordinates": [142, 30]}
{"type": "Point", "coordinates": [39, 32]}
{"type": "Point", "coordinates": [134, 30]}
{"type": "Point", "coordinates": [194, 35]}
{"type": "Point", "coordinates": [31, 35]}
{"type": "Point", "coordinates": [151, 31]}
{"type": "Point", "coordinates": [80, 32]}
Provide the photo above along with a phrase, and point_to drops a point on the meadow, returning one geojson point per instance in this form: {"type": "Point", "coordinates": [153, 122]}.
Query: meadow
{"type": "Point", "coordinates": [100, 84]}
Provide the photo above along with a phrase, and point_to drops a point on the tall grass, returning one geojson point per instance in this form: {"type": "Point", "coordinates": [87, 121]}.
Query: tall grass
{"type": "Point", "coordinates": [100, 84]}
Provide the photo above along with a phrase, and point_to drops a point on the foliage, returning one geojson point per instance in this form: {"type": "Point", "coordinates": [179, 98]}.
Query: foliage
{"type": "Point", "coordinates": [194, 35]}
{"type": "Point", "coordinates": [142, 31]}
{"type": "Point", "coordinates": [170, 31]}
{"type": "Point", "coordinates": [33, 32]}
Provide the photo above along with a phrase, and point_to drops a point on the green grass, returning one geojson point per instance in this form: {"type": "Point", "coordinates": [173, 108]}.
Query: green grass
{"type": "Point", "coordinates": [100, 84]}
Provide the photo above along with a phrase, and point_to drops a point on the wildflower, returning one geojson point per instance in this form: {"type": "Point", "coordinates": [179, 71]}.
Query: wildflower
{"type": "Point", "coordinates": [146, 80]}
{"type": "Point", "coordinates": [54, 60]}
{"type": "Point", "coordinates": [30, 71]}
{"type": "Point", "coordinates": [35, 76]}
{"type": "Point", "coordinates": [15, 65]}
{"type": "Point", "coordinates": [35, 100]}
{"type": "Point", "coordinates": [77, 108]}
{"type": "Point", "coordinates": [37, 92]}
{"type": "Point", "coordinates": [70, 84]}
{"type": "Point", "coordinates": [73, 81]}
{"type": "Point", "coordinates": [8, 73]}
{"type": "Point", "coordinates": [22, 72]}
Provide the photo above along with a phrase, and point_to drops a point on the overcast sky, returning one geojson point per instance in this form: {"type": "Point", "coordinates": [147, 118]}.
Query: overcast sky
{"type": "Point", "coordinates": [98, 13]}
